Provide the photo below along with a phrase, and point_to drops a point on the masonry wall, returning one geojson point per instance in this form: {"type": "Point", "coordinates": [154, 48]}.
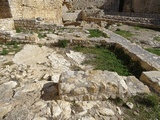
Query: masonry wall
{"type": "Point", "coordinates": [49, 10]}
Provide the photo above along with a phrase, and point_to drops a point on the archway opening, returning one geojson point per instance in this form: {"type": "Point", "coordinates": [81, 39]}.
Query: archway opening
{"type": "Point", "coordinates": [121, 4]}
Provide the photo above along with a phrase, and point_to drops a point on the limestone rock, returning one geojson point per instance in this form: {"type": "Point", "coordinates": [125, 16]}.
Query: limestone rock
{"type": "Point", "coordinates": [130, 105]}
{"type": "Point", "coordinates": [99, 84]}
{"type": "Point", "coordinates": [106, 111]}
{"type": "Point", "coordinates": [152, 78]}
{"type": "Point", "coordinates": [135, 86]}
{"type": "Point", "coordinates": [66, 109]}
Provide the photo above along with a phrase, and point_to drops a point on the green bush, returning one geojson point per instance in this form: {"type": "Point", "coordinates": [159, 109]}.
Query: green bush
{"type": "Point", "coordinates": [62, 43]}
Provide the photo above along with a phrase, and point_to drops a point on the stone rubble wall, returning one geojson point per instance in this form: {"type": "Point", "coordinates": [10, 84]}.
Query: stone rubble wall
{"type": "Point", "coordinates": [32, 24]}
{"type": "Point", "coordinates": [125, 17]}
{"type": "Point", "coordinates": [5, 36]}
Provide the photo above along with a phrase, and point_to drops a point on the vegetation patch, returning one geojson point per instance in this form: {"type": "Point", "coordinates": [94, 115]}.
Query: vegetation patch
{"type": "Point", "coordinates": [154, 50]}
{"type": "Point", "coordinates": [157, 38]}
{"type": "Point", "coordinates": [103, 59]}
{"type": "Point", "coordinates": [4, 51]}
{"type": "Point", "coordinates": [62, 43]}
{"type": "Point", "coordinates": [97, 33]}
{"type": "Point", "coordinates": [146, 107]}
{"type": "Point", "coordinates": [12, 46]}
{"type": "Point", "coordinates": [124, 33]}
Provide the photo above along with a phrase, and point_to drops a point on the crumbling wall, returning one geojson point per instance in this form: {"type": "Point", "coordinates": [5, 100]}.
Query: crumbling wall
{"type": "Point", "coordinates": [49, 10]}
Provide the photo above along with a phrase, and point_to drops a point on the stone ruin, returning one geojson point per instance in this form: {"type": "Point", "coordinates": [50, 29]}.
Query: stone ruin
{"type": "Point", "coordinates": [42, 84]}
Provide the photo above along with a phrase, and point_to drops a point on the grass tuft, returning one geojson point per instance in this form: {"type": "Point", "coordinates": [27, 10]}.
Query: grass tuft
{"type": "Point", "coordinates": [154, 50]}
{"type": "Point", "coordinates": [62, 43]}
{"type": "Point", "coordinates": [124, 33]}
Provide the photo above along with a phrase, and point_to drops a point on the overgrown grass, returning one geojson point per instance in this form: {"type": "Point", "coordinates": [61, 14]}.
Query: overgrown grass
{"type": "Point", "coordinates": [97, 33]}
{"type": "Point", "coordinates": [103, 59]}
{"type": "Point", "coordinates": [157, 38]}
{"type": "Point", "coordinates": [148, 107]}
{"type": "Point", "coordinates": [62, 43]}
{"type": "Point", "coordinates": [124, 33]}
{"type": "Point", "coordinates": [154, 50]}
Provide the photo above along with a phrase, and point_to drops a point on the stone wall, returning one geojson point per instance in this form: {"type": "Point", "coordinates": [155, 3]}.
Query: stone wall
{"type": "Point", "coordinates": [137, 6]}
{"type": "Point", "coordinates": [50, 10]}
{"type": "Point", "coordinates": [142, 6]}
{"type": "Point", "coordinates": [5, 36]}
{"type": "Point", "coordinates": [108, 5]}
{"type": "Point", "coordinates": [32, 24]}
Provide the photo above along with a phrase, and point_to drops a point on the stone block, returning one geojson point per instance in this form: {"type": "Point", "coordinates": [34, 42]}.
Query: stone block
{"type": "Point", "coordinates": [152, 79]}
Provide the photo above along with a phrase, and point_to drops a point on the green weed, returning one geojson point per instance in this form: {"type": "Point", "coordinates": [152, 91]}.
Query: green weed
{"type": "Point", "coordinates": [124, 33]}
{"type": "Point", "coordinates": [154, 50]}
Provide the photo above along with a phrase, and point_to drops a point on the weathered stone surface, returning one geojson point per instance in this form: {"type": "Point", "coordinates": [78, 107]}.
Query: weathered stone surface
{"type": "Point", "coordinates": [135, 86]}
{"type": "Point", "coordinates": [152, 79]}
{"type": "Point", "coordinates": [98, 84]}
{"type": "Point", "coordinates": [106, 111]}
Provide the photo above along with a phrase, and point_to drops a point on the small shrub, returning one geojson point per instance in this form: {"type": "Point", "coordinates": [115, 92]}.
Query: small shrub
{"type": "Point", "coordinates": [62, 43]}
{"type": "Point", "coordinates": [4, 52]}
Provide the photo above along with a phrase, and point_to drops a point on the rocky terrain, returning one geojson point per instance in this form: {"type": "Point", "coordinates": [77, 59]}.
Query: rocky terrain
{"type": "Point", "coordinates": [44, 82]}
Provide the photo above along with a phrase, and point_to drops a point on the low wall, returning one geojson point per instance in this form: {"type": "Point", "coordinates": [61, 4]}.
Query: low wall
{"type": "Point", "coordinates": [5, 36]}
{"type": "Point", "coordinates": [33, 24]}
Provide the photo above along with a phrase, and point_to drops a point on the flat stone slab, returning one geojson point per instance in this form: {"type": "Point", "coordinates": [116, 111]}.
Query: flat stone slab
{"type": "Point", "coordinates": [152, 79]}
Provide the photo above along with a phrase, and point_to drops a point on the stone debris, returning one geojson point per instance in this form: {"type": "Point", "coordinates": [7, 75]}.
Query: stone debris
{"type": "Point", "coordinates": [130, 105]}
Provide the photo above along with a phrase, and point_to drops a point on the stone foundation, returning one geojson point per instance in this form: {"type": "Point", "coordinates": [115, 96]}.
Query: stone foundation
{"type": "Point", "coordinates": [32, 24]}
